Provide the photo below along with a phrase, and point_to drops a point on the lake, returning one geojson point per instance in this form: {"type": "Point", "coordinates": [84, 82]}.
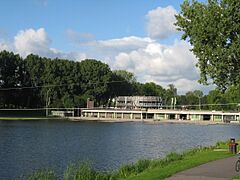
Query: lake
{"type": "Point", "coordinates": [29, 145]}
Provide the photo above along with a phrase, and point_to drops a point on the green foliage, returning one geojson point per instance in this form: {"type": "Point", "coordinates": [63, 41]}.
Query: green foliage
{"type": "Point", "coordinates": [66, 84]}
{"type": "Point", "coordinates": [83, 171]}
{"type": "Point", "coordinates": [213, 31]}
{"type": "Point", "coordinates": [79, 171]}
{"type": "Point", "coordinates": [142, 165]}
{"type": "Point", "coordinates": [56, 82]}
{"type": "Point", "coordinates": [152, 89]}
{"type": "Point", "coordinates": [43, 175]}
{"type": "Point", "coordinates": [124, 85]}
{"type": "Point", "coordinates": [173, 157]}
{"type": "Point", "coordinates": [125, 170]}
{"type": "Point", "coordinates": [236, 178]}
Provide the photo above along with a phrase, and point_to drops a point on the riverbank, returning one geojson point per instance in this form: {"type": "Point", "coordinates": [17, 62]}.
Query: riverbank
{"type": "Point", "coordinates": [146, 169]}
{"type": "Point", "coordinates": [147, 121]}
{"type": "Point", "coordinates": [29, 118]}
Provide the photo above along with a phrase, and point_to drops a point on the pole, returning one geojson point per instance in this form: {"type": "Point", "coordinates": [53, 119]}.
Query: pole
{"type": "Point", "coordinates": [199, 101]}
{"type": "Point", "coordinates": [47, 102]}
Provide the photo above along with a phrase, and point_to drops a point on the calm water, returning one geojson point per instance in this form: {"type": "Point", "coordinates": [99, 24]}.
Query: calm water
{"type": "Point", "coordinates": [27, 146]}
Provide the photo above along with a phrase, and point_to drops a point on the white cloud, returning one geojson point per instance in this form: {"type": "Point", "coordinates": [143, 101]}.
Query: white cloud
{"type": "Point", "coordinates": [160, 22]}
{"type": "Point", "coordinates": [33, 41]}
{"type": "Point", "coordinates": [115, 45]}
{"type": "Point", "coordinates": [126, 42]}
{"type": "Point", "coordinates": [37, 42]}
{"type": "Point", "coordinates": [161, 64]}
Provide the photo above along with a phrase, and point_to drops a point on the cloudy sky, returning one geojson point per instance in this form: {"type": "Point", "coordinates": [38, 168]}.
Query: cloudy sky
{"type": "Point", "coordinates": [137, 35]}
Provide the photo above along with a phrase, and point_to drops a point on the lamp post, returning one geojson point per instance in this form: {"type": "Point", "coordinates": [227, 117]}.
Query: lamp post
{"type": "Point", "coordinates": [47, 102]}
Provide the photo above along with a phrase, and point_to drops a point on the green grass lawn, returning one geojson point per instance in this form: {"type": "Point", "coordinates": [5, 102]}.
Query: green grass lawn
{"type": "Point", "coordinates": [188, 161]}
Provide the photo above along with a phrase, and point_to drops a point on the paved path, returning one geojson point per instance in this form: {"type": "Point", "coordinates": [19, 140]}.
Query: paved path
{"type": "Point", "coordinates": [220, 169]}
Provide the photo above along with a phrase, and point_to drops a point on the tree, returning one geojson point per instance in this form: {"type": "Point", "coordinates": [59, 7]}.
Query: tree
{"type": "Point", "coordinates": [192, 99]}
{"type": "Point", "coordinates": [12, 75]}
{"type": "Point", "coordinates": [124, 83]}
{"type": "Point", "coordinates": [213, 29]}
{"type": "Point", "coordinates": [95, 82]}
{"type": "Point", "coordinates": [170, 96]}
{"type": "Point", "coordinates": [199, 95]}
{"type": "Point", "coordinates": [152, 89]}
{"type": "Point", "coordinates": [216, 99]}
{"type": "Point", "coordinates": [232, 95]}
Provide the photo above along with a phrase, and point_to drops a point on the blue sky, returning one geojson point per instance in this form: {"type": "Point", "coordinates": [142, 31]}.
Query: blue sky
{"type": "Point", "coordinates": [136, 35]}
{"type": "Point", "coordinates": [105, 19]}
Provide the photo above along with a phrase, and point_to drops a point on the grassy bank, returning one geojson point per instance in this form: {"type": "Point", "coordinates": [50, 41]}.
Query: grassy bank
{"type": "Point", "coordinates": [27, 118]}
{"type": "Point", "coordinates": [143, 169]}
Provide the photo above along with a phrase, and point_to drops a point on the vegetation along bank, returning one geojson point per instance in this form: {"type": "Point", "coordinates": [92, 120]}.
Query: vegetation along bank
{"type": "Point", "coordinates": [142, 169]}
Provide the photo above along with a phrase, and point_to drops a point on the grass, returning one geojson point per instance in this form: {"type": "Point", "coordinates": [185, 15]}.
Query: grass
{"type": "Point", "coordinates": [26, 118]}
{"type": "Point", "coordinates": [236, 178]}
{"type": "Point", "coordinates": [187, 161]}
{"type": "Point", "coordinates": [145, 169]}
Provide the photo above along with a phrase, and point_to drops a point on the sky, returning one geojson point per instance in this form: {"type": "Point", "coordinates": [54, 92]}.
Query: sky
{"type": "Point", "coordinates": [133, 35]}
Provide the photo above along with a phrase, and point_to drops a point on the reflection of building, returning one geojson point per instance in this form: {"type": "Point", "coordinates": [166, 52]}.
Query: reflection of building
{"type": "Point", "coordinates": [138, 102]}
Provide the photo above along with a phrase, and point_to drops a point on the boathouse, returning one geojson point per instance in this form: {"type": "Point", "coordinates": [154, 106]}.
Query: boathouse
{"type": "Point", "coordinates": [160, 114]}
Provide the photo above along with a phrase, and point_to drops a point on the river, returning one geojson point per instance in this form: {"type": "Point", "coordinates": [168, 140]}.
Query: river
{"type": "Point", "coordinates": [29, 145]}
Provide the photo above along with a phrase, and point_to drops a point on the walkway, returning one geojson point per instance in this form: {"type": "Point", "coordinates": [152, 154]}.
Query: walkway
{"type": "Point", "coordinates": [221, 169]}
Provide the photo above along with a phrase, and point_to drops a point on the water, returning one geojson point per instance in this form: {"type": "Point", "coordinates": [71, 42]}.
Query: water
{"type": "Point", "coordinates": [29, 145]}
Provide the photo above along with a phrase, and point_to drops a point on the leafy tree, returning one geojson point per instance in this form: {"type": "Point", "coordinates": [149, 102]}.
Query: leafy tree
{"type": "Point", "coordinates": [192, 99]}
{"type": "Point", "coordinates": [152, 89]}
{"type": "Point", "coordinates": [216, 99]}
{"type": "Point", "coordinates": [95, 82]}
{"type": "Point", "coordinates": [126, 75]}
{"type": "Point", "coordinates": [170, 95]}
{"type": "Point", "coordinates": [213, 29]}
{"type": "Point", "coordinates": [199, 95]}
{"type": "Point", "coordinates": [124, 83]}
{"type": "Point", "coordinates": [12, 75]}
{"type": "Point", "coordinates": [232, 95]}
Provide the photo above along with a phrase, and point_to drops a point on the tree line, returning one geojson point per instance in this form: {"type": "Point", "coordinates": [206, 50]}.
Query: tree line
{"type": "Point", "coordinates": [36, 82]}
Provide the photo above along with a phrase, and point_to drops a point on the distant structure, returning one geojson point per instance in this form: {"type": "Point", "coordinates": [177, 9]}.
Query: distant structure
{"type": "Point", "coordinates": [139, 102]}
{"type": "Point", "coordinates": [90, 104]}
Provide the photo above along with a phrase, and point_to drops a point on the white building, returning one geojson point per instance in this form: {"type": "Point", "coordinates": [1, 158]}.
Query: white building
{"type": "Point", "coordinates": [138, 102]}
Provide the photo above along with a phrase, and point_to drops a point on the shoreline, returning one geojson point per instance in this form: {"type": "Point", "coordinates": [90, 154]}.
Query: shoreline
{"type": "Point", "coordinates": [148, 121]}
{"type": "Point", "coordinates": [30, 118]}
{"type": "Point", "coordinates": [110, 120]}
{"type": "Point", "coordinates": [162, 168]}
